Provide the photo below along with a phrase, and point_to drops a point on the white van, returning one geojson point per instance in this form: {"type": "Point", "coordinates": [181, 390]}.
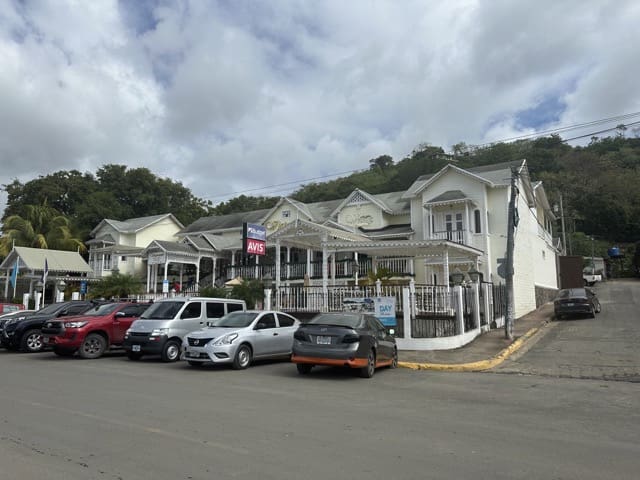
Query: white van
{"type": "Point", "coordinates": [160, 329]}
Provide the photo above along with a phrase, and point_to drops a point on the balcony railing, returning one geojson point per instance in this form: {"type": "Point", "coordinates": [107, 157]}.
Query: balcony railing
{"type": "Point", "coordinates": [402, 266]}
{"type": "Point", "coordinates": [457, 236]}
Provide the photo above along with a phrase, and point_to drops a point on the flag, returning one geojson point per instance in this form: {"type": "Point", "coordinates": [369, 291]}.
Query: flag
{"type": "Point", "coordinates": [14, 274]}
{"type": "Point", "coordinates": [46, 272]}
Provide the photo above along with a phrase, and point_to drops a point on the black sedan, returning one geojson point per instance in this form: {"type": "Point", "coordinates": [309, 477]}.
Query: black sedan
{"type": "Point", "coordinates": [572, 302]}
{"type": "Point", "coordinates": [346, 339]}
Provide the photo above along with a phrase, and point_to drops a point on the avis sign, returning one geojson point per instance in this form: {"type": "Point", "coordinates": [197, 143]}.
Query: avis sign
{"type": "Point", "coordinates": [254, 239]}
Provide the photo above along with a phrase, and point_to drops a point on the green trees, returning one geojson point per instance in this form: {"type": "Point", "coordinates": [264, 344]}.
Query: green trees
{"type": "Point", "coordinates": [40, 226]}
{"type": "Point", "coordinates": [115, 192]}
{"type": "Point", "coordinates": [116, 285]}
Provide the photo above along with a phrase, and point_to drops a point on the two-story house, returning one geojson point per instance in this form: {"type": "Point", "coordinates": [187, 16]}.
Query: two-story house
{"type": "Point", "coordinates": [118, 245]}
{"type": "Point", "coordinates": [450, 222]}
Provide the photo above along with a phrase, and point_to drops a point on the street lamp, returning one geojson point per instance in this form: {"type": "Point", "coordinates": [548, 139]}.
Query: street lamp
{"type": "Point", "coordinates": [474, 274]}
{"type": "Point", "coordinates": [457, 277]}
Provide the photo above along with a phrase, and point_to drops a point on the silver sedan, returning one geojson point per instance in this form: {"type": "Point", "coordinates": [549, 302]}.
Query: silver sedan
{"type": "Point", "coordinates": [240, 337]}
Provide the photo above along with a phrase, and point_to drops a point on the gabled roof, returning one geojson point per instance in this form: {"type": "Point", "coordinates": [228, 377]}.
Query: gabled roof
{"type": "Point", "coordinates": [225, 222]}
{"type": "Point", "coordinates": [133, 225]}
{"type": "Point", "coordinates": [108, 238]}
{"type": "Point", "coordinates": [301, 207]}
{"type": "Point", "coordinates": [57, 260]}
{"type": "Point", "coordinates": [390, 203]}
{"type": "Point", "coordinates": [493, 175]}
{"type": "Point", "coordinates": [449, 196]}
{"type": "Point", "coordinates": [171, 247]}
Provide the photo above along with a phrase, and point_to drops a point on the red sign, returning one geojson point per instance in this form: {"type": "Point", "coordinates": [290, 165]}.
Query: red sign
{"type": "Point", "coordinates": [256, 247]}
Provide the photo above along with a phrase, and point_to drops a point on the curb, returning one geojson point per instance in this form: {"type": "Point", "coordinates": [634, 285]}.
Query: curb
{"type": "Point", "coordinates": [474, 366]}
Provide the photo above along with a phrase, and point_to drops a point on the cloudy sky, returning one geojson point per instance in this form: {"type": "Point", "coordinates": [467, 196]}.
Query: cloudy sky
{"type": "Point", "coordinates": [234, 96]}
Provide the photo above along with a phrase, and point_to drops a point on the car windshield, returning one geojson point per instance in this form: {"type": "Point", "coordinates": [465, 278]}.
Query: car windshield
{"type": "Point", "coordinates": [100, 310]}
{"type": "Point", "coordinates": [342, 320]}
{"type": "Point", "coordinates": [236, 320]}
{"type": "Point", "coordinates": [162, 310]}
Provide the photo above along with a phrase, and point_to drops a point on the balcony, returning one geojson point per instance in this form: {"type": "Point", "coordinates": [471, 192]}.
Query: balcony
{"type": "Point", "coordinates": [402, 267]}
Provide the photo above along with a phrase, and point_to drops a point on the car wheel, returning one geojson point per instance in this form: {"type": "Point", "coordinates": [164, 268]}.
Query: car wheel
{"type": "Point", "coordinates": [194, 364]}
{"type": "Point", "coordinates": [134, 356]}
{"type": "Point", "coordinates": [243, 358]}
{"type": "Point", "coordinates": [304, 368]}
{"type": "Point", "coordinates": [93, 346]}
{"type": "Point", "coordinates": [394, 359]}
{"type": "Point", "coordinates": [171, 351]}
{"type": "Point", "coordinates": [63, 352]}
{"type": "Point", "coordinates": [31, 341]}
{"type": "Point", "coordinates": [370, 368]}
{"type": "Point", "coordinates": [598, 307]}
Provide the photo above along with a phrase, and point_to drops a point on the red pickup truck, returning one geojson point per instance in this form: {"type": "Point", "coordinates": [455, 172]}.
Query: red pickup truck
{"type": "Point", "coordinates": [92, 333]}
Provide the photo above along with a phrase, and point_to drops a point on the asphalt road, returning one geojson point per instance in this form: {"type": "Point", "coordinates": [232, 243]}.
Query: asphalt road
{"type": "Point", "coordinates": [606, 347]}
{"type": "Point", "coordinates": [115, 419]}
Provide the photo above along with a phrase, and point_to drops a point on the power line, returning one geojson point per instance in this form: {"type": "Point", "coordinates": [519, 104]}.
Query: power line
{"type": "Point", "coordinates": [521, 137]}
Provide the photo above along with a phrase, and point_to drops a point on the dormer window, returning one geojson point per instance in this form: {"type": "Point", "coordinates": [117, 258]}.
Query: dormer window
{"type": "Point", "coordinates": [286, 213]}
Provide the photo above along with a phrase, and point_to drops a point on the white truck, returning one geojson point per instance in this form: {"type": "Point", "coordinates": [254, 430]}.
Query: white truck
{"type": "Point", "coordinates": [590, 277]}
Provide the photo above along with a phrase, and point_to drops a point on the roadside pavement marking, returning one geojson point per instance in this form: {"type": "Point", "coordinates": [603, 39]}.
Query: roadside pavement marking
{"type": "Point", "coordinates": [474, 366]}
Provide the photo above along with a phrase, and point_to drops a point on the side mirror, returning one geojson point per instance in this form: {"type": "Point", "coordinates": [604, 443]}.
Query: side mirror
{"type": "Point", "coordinates": [260, 326]}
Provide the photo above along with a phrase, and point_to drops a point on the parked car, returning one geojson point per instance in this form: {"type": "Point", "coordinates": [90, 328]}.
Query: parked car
{"type": "Point", "coordinates": [571, 302]}
{"type": "Point", "coordinates": [161, 328]}
{"type": "Point", "coordinates": [16, 314]}
{"type": "Point", "coordinates": [94, 332]}
{"type": "Point", "coordinates": [25, 334]}
{"type": "Point", "coordinates": [347, 339]}
{"type": "Point", "coordinates": [10, 307]}
{"type": "Point", "coordinates": [241, 337]}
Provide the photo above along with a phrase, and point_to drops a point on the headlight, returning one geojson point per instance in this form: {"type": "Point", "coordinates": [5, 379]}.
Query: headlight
{"type": "Point", "coordinates": [159, 331]}
{"type": "Point", "coordinates": [227, 339]}
{"type": "Point", "coordinates": [75, 324]}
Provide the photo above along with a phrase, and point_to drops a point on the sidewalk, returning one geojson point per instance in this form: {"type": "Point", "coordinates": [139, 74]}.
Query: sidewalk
{"type": "Point", "coordinates": [486, 351]}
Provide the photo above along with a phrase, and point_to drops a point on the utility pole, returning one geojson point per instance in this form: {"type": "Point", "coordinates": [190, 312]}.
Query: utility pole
{"type": "Point", "coordinates": [511, 224]}
{"type": "Point", "coordinates": [564, 235]}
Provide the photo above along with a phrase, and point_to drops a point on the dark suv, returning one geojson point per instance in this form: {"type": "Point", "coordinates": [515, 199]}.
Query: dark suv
{"type": "Point", "coordinates": [26, 334]}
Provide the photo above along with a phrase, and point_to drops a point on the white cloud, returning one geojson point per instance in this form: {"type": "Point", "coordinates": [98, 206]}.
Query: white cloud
{"type": "Point", "coordinates": [233, 96]}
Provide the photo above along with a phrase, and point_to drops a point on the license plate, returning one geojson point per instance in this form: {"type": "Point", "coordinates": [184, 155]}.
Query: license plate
{"type": "Point", "coordinates": [322, 340]}
{"type": "Point", "coordinates": [135, 348]}
{"type": "Point", "coordinates": [570, 304]}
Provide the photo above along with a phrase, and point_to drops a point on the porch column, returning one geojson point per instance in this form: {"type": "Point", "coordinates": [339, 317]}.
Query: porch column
{"type": "Point", "coordinates": [148, 276]}
{"type": "Point", "coordinates": [325, 280]}
{"type": "Point", "coordinates": [233, 264]}
{"type": "Point", "coordinates": [467, 241]}
{"type": "Point", "coordinates": [288, 272]}
{"type": "Point", "coordinates": [278, 267]}
{"type": "Point", "coordinates": [180, 276]}
{"type": "Point", "coordinates": [213, 274]}
{"type": "Point", "coordinates": [198, 275]}
{"type": "Point", "coordinates": [429, 223]}
{"type": "Point", "coordinates": [309, 272]}
{"type": "Point", "coordinates": [356, 266]}
{"type": "Point", "coordinates": [445, 265]}
{"type": "Point", "coordinates": [333, 269]}
{"type": "Point", "coordinates": [257, 267]}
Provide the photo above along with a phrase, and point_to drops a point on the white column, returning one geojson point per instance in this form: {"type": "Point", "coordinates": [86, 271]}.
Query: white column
{"type": "Point", "coordinates": [309, 272]}
{"type": "Point", "coordinates": [213, 274]}
{"type": "Point", "coordinates": [445, 266]}
{"type": "Point", "coordinates": [233, 264]}
{"type": "Point", "coordinates": [325, 279]}
{"type": "Point", "coordinates": [357, 266]}
{"type": "Point", "coordinates": [257, 268]}
{"type": "Point", "coordinates": [148, 276]}
{"type": "Point", "coordinates": [333, 269]}
{"type": "Point", "coordinates": [288, 272]}
{"type": "Point", "coordinates": [278, 266]}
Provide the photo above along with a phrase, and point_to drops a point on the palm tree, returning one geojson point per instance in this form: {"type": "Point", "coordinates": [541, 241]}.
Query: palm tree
{"type": "Point", "coordinates": [41, 226]}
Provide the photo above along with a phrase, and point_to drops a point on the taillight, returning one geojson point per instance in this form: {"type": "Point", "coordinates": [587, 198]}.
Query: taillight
{"type": "Point", "coordinates": [350, 338]}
